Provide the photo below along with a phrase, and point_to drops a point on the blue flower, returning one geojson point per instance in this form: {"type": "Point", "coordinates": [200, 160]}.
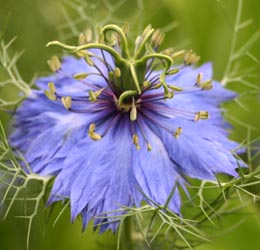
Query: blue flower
{"type": "Point", "coordinates": [117, 129]}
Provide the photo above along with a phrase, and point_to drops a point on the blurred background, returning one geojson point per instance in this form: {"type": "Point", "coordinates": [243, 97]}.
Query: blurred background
{"type": "Point", "coordinates": [206, 26]}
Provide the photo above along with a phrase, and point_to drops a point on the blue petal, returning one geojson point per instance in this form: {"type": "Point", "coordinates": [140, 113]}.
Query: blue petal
{"type": "Point", "coordinates": [65, 83]}
{"type": "Point", "coordinates": [201, 150]}
{"type": "Point", "coordinates": [101, 179]}
{"type": "Point", "coordinates": [155, 172]}
{"type": "Point", "coordinates": [46, 131]}
{"type": "Point", "coordinates": [186, 78]}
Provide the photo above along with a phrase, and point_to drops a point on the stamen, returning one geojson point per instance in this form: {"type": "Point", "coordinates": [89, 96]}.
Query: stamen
{"type": "Point", "coordinates": [50, 95]}
{"type": "Point", "coordinates": [66, 101]}
{"type": "Point", "coordinates": [111, 75]}
{"type": "Point", "coordinates": [117, 72]}
{"type": "Point", "coordinates": [148, 31]}
{"type": "Point", "coordinates": [149, 147]}
{"type": "Point", "coordinates": [80, 76]}
{"type": "Point", "coordinates": [201, 115]}
{"type": "Point", "coordinates": [135, 141]}
{"type": "Point", "coordinates": [177, 133]}
{"type": "Point", "coordinates": [199, 78]}
{"type": "Point", "coordinates": [125, 28]}
{"type": "Point", "coordinates": [86, 55]}
{"type": "Point", "coordinates": [140, 125]}
{"type": "Point", "coordinates": [86, 37]}
{"type": "Point", "coordinates": [190, 58]}
{"type": "Point", "coordinates": [52, 87]}
{"type": "Point", "coordinates": [167, 51]}
{"type": "Point", "coordinates": [89, 61]}
{"type": "Point", "coordinates": [54, 63]}
{"type": "Point", "coordinates": [89, 35]}
{"type": "Point", "coordinates": [157, 38]}
{"type": "Point", "coordinates": [178, 53]}
{"type": "Point", "coordinates": [169, 95]}
{"type": "Point", "coordinates": [94, 136]}
{"type": "Point", "coordinates": [175, 88]}
{"type": "Point", "coordinates": [172, 71]}
{"type": "Point", "coordinates": [94, 95]}
{"type": "Point", "coordinates": [206, 85]}
{"type": "Point", "coordinates": [82, 39]}
{"type": "Point", "coordinates": [147, 84]}
{"type": "Point", "coordinates": [157, 86]}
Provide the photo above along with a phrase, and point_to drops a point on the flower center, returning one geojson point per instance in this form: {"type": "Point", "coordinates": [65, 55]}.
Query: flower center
{"type": "Point", "coordinates": [133, 82]}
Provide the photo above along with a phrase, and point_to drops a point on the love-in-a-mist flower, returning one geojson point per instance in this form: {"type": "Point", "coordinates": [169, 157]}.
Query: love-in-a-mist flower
{"type": "Point", "coordinates": [117, 126]}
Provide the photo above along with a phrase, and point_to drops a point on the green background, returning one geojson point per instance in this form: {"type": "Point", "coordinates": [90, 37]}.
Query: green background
{"type": "Point", "coordinates": [202, 25]}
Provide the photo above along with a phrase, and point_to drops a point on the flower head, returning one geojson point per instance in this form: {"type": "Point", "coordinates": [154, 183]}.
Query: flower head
{"type": "Point", "coordinates": [118, 127]}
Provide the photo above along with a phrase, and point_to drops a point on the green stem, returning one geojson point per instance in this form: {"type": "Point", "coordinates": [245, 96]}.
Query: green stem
{"type": "Point", "coordinates": [127, 243]}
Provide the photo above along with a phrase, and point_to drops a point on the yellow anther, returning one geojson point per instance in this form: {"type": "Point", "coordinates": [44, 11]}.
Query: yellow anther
{"type": "Point", "coordinates": [89, 35]}
{"type": "Point", "coordinates": [138, 41]}
{"type": "Point", "coordinates": [149, 147]}
{"type": "Point", "coordinates": [157, 86]}
{"type": "Point", "coordinates": [198, 79]}
{"type": "Point", "coordinates": [147, 30]}
{"type": "Point", "coordinates": [92, 128]}
{"type": "Point", "coordinates": [190, 57]}
{"type": "Point", "coordinates": [177, 133]}
{"type": "Point", "coordinates": [82, 39]}
{"type": "Point", "coordinates": [50, 95]}
{"type": "Point", "coordinates": [117, 72]}
{"type": "Point", "coordinates": [89, 60]}
{"type": "Point", "coordinates": [169, 95]}
{"type": "Point", "coordinates": [101, 37]}
{"type": "Point", "coordinates": [178, 53]}
{"type": "Point", "coordinates": [80, 76]}
{"type": "Point", "coordinates": [147, 84]}
{"type": "Point", "coordinates": [98, 92]}
{"type": "Point", "coordinates": [94, 136]}
{"type": "Point", "coordinates": [86, 55]}
{"type": "Point", "coordinates": [167, 52]}
{"type": "Point", "coordinates": [125, 28]}
{"type": "Point", "coordinates": [52, 87]}
{"type": "Point", "coordinates": [111, 75]}
{"type": "Point", "coordinates": [92, 97]}
{"type": "Point", "coordinates": [66, 101]}
{"type": "Point", "coordinates": [207, 85]}
{"type": "Point", "coordinates": [201, 115]}
{"type": "Point", "coordinates": [175, 88]}
{"type": "Point", "coordinates": [172, 71]}
{"type": "Point", "coordinates": [86, 37]}
{"type": "Point", "coordinates": [82, 53]}
{"type": "Point", "coordinates": [157, 37]}
{"type": "Point", "coordinates": [54, 63]}
{"type": "Point", "coordinates": [135, 141]}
